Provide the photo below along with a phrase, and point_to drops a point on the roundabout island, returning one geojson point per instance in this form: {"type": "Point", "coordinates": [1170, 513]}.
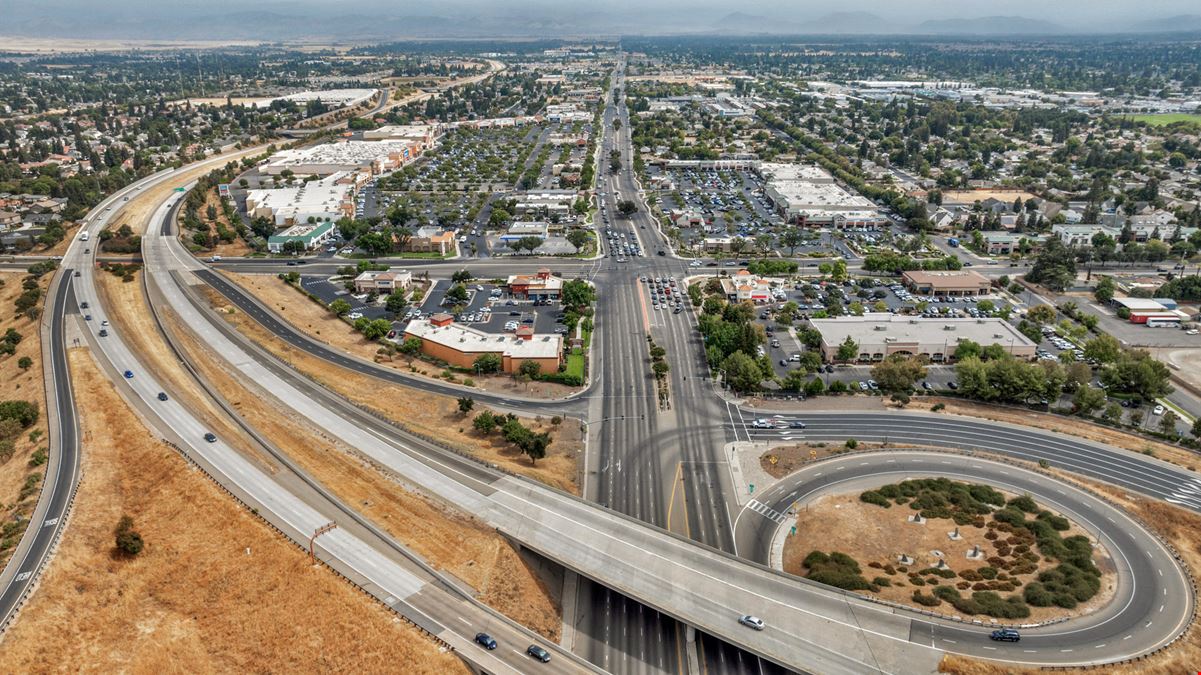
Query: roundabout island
{"type": "Point", "coordinates": [969, 545]}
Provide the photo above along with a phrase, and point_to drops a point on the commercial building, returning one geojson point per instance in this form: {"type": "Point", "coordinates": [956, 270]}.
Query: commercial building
{"type": "Point", "coordinates": [459, 345]}
{"type": "Point", "coordinates": [1082, 235]}
{"type": "Point", "coordinates": [431, 239]}
{"type": "Point", "coordinates": [960, 283]}
{"type": "Point", "coordinates": [383, 282]}
{"type": "Point", "coordinates": [542, 285]}
{"type": "Point", "coordinates": [329, 158]}
{"type": "Point", "coordinates": [746, 287]}
{"type": "Point", "coordinates": [809, 195]}
{"type": "Point", "coordinates": [310, 236]}
{"type": "Point", "coordinates": [880, 335]}
{"type": "Point", "coordinates": [329, 198]}
{"type": "Point", "coordinates": [525, 229]}
{"type": "Point", "coordinates": [1153, 312]}
{"type": "Point", "coordinates": [422, 136]}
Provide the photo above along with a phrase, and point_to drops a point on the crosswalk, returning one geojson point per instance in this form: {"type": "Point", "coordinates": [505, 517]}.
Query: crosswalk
{"type": "Point", "coordinates": [766, 511]}
{"type": "Point", "coordinates": [1188, 494]}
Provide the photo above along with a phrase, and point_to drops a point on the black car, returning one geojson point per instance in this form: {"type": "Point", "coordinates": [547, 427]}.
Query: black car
{"type": "Point", "coordinates": [210, 437]}
{"type": "Point", "coordinates": [953, 386]}
{"type": "Point", "coordinates": [661, 253]}
{"type": "Point", "coordinates": [103, 332]}
{"type": "Point", "coordinates": [796, 424]}
{"type": "Point", "coordinates": [83, 305]}
{"type": "Point", "coordinates": [485, 640]}
{"type": "Point", "coordinates": [162, 396]}
{"type": "Point", "coordinates": [538, 653]}
{"type": "Point", "coordinates": [829, 368]}
{"type": "Point", "coordinates": [1005, 635]}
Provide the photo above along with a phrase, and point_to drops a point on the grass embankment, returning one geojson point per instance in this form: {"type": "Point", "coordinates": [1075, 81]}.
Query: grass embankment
{"type": "Point", "coordinates": [24, 447]}
{"type": "Point", "coordinates": [214, 589]}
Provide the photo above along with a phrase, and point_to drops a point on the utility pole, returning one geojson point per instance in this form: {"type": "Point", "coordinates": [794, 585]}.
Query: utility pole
{"type": "Point", "coordinates": [317, 533]}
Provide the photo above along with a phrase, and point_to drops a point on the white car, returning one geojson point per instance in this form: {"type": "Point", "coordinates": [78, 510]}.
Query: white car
{"type": "Point", "coordinates": [752, 622]}
{"type": "Point", "coordinates": [762, 424]}
{"type": "Point", "coordinates": [1158, 410]}
{"type": "Point", "coordinates": [355, 315]}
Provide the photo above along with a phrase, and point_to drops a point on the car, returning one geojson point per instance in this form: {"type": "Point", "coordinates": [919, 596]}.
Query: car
{"type": "Point", "coordinates": [103, 333]}
{"type": "Point", "coordinates": [83, 305]}
{"type": "Point", "coordinates": [1192, 331]}
{"type": "Point", "coordinates": [796, 424]}
{"type": "Point", "coordinates": [863, 386]}
{"type": "Point", "coordinates": [783, 362]}
{"type": "Point", "coordinates": [926, 385]}
{"type": "Point", "coordinates": [1159, 410]}
{"type": "Point", "coordinates": [87, 317]}
{"type": "Point", "coordinates": [538, 653]}
{"type": "Point", "coordinates": [162, 396]}
{"type": "Point", "coordinates": [77, 273]}
{"type": "Point", "coordinates": [1005, 635]}
{"type": "Point", "coordinates": [762, 424]}
{"type": "Point", "coordinates": [953, 385]}
{"type": "Point", "coordinates": [872, 385]}
{"type": "Point", "coordinates": [829, 367]}
{"type": "Point", "coordinates": [129, 374]}
{"type": "Point", "coordinates": [104, 323]}
{"type": "Point", "coordinates": [210, 437]}
{"type": "Point", "coordinates": [485, 640]}
{"type": "Point", "coordinates": [752, 622]}
{"type": "Point", "coordinates": [355, 315]}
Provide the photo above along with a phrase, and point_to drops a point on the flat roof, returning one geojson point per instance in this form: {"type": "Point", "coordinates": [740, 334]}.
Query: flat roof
{"type": "Point", "coordinates": [872, 328]}
{"type": "Point", "coordinates": [1145, 304]}
{"type": "Point", "coordinates": [472, 340]}
{"type": "Point", "coordinates": [958, 277]}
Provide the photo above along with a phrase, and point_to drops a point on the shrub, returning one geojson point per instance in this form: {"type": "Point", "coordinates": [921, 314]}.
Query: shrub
{"type": "Point", "coordinates": [873, 497]}
{"type": "Point", "coordinates": [926, 600]}
{"type": "Point", "coordinates": [128, 541]}
{"type": "Point", "coordinates": [882, 581]}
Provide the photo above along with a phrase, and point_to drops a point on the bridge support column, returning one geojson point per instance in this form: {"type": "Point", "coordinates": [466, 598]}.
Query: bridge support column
{"type": "Point", "coordinates": [694, 661]}
{"type": "Point", "coordinates": [571, 584]}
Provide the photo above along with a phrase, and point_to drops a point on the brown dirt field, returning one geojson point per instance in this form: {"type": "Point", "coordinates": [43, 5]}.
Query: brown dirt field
{"type": "Point", "coordinates": [430, 414]}
{"type": "Point", "coordinates": [869, 533]}
{"type": "Point", "coordinates": [17, 383]}
{"type": "Point", "coordinates": [137, 326]}
{"type": "Point", "coordinates": [61, 247]}
{"type": "Point", "coordinates": [447, 539]}
{"type": "Point", "coordinates": [320, 324]}
{"type": "Point", "coordinates": [1063, 424]}
{"type": "Point", "coordinates": [780, 461]}
{"type": "Point", "coordinates": [1180, 527]}
{"type": "Point", "coordinates": [145, 614]}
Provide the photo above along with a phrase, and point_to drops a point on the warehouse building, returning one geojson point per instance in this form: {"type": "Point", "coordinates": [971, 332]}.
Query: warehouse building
{"type": "Point", "coordinates": [310, 236]}
{"type": "Point", "coordinates": [880, 335]}
{"type": "Point", "coordinates": [809, 195]}
{"type": "Point", "coordinates": [323, 160]}
{"type": "Point", "coordinates": [459, 345]}
{"type": "Point", "coordinates": [329, 198]}
{"type": "Point", "coordinates": [955, 284]}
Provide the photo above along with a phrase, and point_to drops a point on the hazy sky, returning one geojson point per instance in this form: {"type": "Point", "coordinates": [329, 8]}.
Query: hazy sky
{"type": "Point", "coordinates": [166, 18]}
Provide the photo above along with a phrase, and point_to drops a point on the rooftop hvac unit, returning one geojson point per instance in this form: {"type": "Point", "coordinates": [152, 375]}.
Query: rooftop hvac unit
{"type": "Point", "coordinates": [889, 339]}
{"type": "Point", "coordinates": [879, 327]}
{"type": "Point", "coordinates": [998, 336]}
{"type": "Point", "coordinates": [948, 326]}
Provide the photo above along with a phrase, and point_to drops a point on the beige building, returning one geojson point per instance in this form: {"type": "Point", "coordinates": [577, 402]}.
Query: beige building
{"type": "Point", "coordinates": [460, 345]}
{"type": "Point", "coordinates": [879, 335]}
{"type": "Point", "coordinates": [383, 282]}
{"type": "Point", "coordinates": [960, 283]}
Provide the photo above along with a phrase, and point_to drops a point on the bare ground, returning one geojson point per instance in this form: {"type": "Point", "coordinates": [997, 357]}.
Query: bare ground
{"type": "Point", "coordinates": [321, 324]}
{"type": "Point", "coordinates": [870, 533]}
{"type": "Point", "coordinates": [429, 414]}
{"type": "Point", "coordinates": [446, 538]}
{"type": "Point", "coordinates": [25, 384]}
{"type": "Point", "coordinates": [215, 590]}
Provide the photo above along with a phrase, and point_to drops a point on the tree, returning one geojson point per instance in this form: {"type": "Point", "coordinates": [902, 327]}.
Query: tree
{"type": "Point", "coordinates": [457, 294]}
{"type": "Point", "coordinates": [127, 539]}
{"type": "Point", "coordinates": [535, 446]}
{"type": "Point", "coordinates": [410, 346]}
{"type": "Point", "coordinates": [372, 329]}
{"type": "Point", "coordinates": [530, 369]}
{"type": "Point", "coordinates": [487, 363]}
{"type": "Point", "coordinates": [396, 302]}
{"type": "Point", "coordinates": [627, 207]}
{"type": "Point", "coordinates": [1054, 267]}
{"type": "Point", "coordinates": [815, 387]}
{"type": "Point", "coordinates": [1196, 430]}
{"type": "Point", "coordinates": [848, 350]}
{"type": "Point", "coordinates": [1041, 314]}
{"type": "Point", "coordinates": [578, 294]}
{"type": "Point", "coordinates": [1088, 399]}
{"type": "Point", "coordinates": [898, 372]}
{"type": "Point", "coordinates": [1167, 423]}
{"type": "Point", "coordinates": [660, 368]}
{"type": "Point", "coordinates": [1103, 349]}
{"type": "Point", "coordinates": [375, 243]}
{"type": "Point", "coordinates": [25, 363]}
{"type": "Point", "coordinates": [1136, 372]}
{"type": "Point", "coordinates": [578, 239]}
{"type": "Point", "coordinates": [1103, 292]}
{"type": "Point", "coordinates": [742, 372]}
{"type": "Point", "coordinates": [339, 307]}
{"type": "Point", "coordinates": [485, 422]}
{"type": "Point", "coordinates": [466, 403]}
{"type": "Point", "coordinates": [499, 217]}
{"type": "Point", "coordinates": [528, 243]}
{"type": "Point", "coordinates": [792, 238]}
{"type": "Point", "coordinates": [461, 276]}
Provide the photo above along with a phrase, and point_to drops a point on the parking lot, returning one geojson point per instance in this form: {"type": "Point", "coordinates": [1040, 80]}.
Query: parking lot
{"type": "Point", "coordinates": [487, 308]}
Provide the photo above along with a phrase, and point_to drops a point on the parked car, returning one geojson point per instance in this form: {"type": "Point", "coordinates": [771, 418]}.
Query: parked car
{"type": "Point", "coordinates": [1159, 410]}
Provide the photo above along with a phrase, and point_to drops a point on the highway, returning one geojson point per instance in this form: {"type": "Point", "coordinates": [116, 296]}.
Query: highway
{"type": "Point", "coordinates": [1152, 596]}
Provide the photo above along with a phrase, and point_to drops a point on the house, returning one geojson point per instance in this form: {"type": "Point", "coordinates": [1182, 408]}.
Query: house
{"type": "Point", "coordinates": [383, 282]}
{"type": "Point", "coordinates": [10, 219]}
{"type": "Point", "coordinates": [542, 285]}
